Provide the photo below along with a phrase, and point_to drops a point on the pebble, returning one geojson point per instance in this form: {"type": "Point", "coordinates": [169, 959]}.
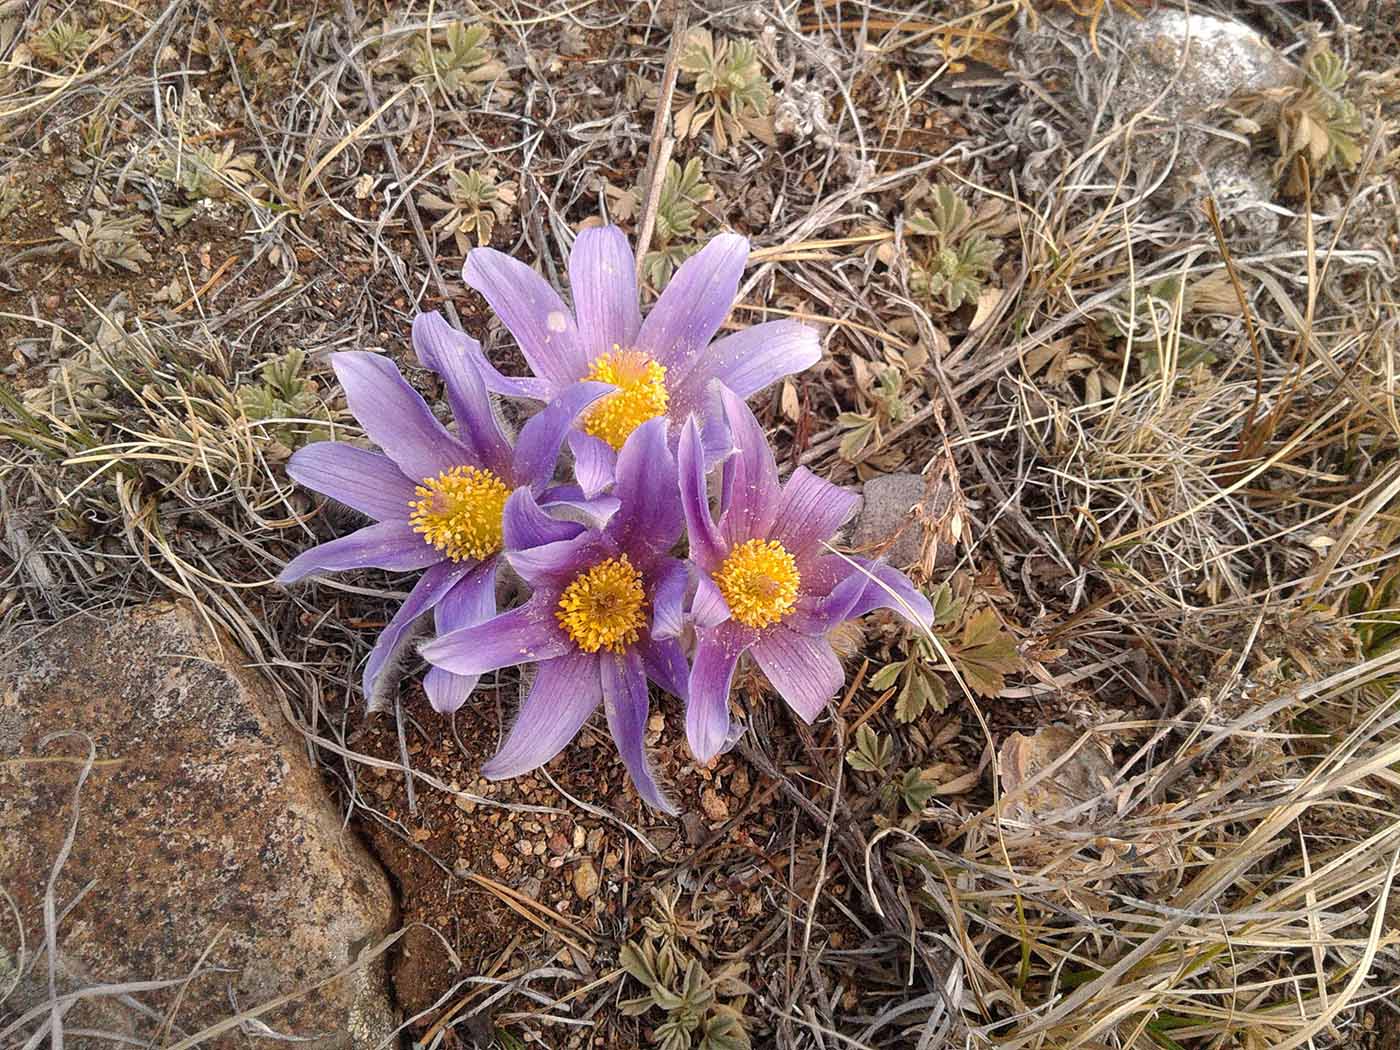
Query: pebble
{"type": "Point", "coordinates": [585, 880]}
{"type": "Point", "coordinates": [715, 807]}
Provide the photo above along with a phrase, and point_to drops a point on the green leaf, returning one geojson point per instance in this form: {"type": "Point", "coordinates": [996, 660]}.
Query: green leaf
{"type": "Point", "coordinates": [872, 752]}
{"type": "Point", "coordinates": [986, 654]}
{"type": "Point", "coordinates": [886, 676]}
{"type": "Point", "coordinates": [916, 790]}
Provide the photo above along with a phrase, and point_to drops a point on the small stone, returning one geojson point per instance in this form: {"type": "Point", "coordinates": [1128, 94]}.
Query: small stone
{"type": "Point", "coordinates": [715, 807]}
{"type": "Point", "coordinates": [524, 847]}
{"type": "Point", "coordinates": [595, 840]}
{"type": "Point", "coordinates": [611, 859]}
{"type": "Point", "coordinates": [585, 880]}
{"type": "Point", "coordinates": [888, 526]}
{"type": "Point", "coordinates": [579, 838]}
{"type": "Point", "coordinates": [558, 844]}
{"type": "Point", "coordinates": [499, 859]}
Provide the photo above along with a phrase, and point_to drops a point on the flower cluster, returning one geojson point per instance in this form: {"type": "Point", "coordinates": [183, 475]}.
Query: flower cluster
{"type": "Point", "coordinates": [653, 412]}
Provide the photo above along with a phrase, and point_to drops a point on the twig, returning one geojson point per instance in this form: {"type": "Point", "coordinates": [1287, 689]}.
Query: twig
{"type": "Point", "coordinates": [661, 143]}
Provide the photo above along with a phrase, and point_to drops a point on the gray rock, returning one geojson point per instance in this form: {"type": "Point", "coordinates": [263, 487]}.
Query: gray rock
{"type": "Point", "coordinates": [1170, 74]}
{"type": "Point", "coordinates": [887, 524]}
{"type": "Point", "coordinates": [205, 840]}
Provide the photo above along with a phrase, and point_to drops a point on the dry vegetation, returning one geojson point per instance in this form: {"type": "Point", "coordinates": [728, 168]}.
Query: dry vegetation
{"type": "Point", "coordinates": [1160, 446]}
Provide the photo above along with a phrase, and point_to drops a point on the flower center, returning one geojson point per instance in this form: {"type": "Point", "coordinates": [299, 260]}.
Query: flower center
{"type": "Point", "coordinates": [759, 580]}
{"type": "Point", "coordinates": [602, 608]}
{"type": "Point", "coordinates": [459, 512]}
{"type": "Point", "coordinates": [641, 394]}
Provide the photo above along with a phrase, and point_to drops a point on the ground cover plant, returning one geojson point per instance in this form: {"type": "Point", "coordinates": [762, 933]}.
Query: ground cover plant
{"type": "Point", "coordinates": [1130, 785]}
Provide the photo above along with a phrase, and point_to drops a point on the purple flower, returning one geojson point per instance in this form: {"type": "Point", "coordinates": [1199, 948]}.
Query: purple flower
{"type": "Point", "coordinates": [764, 584]}
{"type": "Point", "coordinates": [662, 366]}
{"type": "Point", "coordinates": [595, 597]}
{"type": "Point", "coordinates": [437, 498]}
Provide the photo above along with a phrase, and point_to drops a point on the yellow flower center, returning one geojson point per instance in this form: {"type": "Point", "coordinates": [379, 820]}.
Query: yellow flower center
{"type": "Point", "coordinates": [641, 394]}
{"type": "Point", "coordinates": [759, 580]}
{"type": "Point", "coordinates": [459, 512]}
{"type": "Point", "coordinates": [602, 608]}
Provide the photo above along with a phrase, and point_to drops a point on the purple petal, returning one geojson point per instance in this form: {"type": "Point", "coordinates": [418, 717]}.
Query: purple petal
{"type": "Point", "coordinates": [366, 481]}
{"type": "Point", "coordinates": [431, 588]}
{"type": "Point", "coordinates": [668, 601]}
{"type": "Point", "coordinates": [537, 448]}
{"type": "Point", "coordinates": [595, 462]}
{"type": "Point", "coordinates": [567, 503]}
{"type": "Point", "coordinates": [603, 280]}
{"type": "Point", "coordinates": [525, 524]}
{"type": "Point", "coordinates": [694, 305]}
{"type": "Point", "coordinates": [665, 664]}
{"type": "Point", "coordinates": [804, 670]}
{"type": "Point", "coordinates": [395, 417]}
{"type": "Point", "coordinates": [883, 587]}
{"type": "Point", "coordinates": [565, 692]}
{"type": "Point", "coordinates": [455, 356]}
{"type": "Point", "coordinates": [650, 518]}
{"type": "Point", "coordinates": [717, 651]}
{"type": "Point", "coordinates": [528, 387]}
{"type": "Point", "coordinates": [552, 566]}
{"type": "Point", "coordinates": [520, 636]}
{"type": "Point", "coordinates": [708, 608]}
{"type": "Point", "coordinates": [750, 479]}
{"type": "Point", "coordinates": [471, 601]}
{"type": "Point", "coordinates": [810, 510]}
{"type": "Point", "coordinates": [386, 545]}
{"type": "Point", "coordinates": [706, 547]}
{"type": "Point", "coordinates": [750, 360]}
{"type": "Point", "coordinates": [626, 703]}
{"type": "Point", "coordinates": [532, 310]}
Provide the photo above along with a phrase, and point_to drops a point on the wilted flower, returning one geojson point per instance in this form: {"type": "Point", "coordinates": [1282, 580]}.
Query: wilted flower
{"type": "Point", "coordinates": [764, 583]}
{"type": "Point", "coordinates": [437, 498]}
{"type": "Point", "coordinates": [588, 623]}
{"type": "Point", "coordinates": [662, 366]}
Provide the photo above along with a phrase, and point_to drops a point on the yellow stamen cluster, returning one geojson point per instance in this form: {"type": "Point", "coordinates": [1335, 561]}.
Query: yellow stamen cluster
{"type": "Point", "coordinates": [641, 394]}
{"type": "Point", "coordinates": [602, 608]}
{"type": "Point", "coordinates": [459, 512]}
{"type": "Point", "coordinates": [759, 580]}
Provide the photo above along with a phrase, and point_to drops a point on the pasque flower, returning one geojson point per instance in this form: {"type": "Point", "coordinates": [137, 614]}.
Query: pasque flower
{"type": "Point", "coordinates": [764, 582]}
{"type": "Point", "coordinates": [437, 498]}
{"type": "Point", "coordinates": [661, 366]}
{"type": "Point", "coordinates": [588, 623]}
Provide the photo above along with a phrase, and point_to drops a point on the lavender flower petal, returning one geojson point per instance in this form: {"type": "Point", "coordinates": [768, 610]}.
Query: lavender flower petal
{"type": "Point", "coordinates": [455, 356]}
{"type": "Point", "coordinates": [471, 601]}
{"type": "Point", "coordinates": [430, 589]}
{"type": "Point", "coordinates": [708, 608]}
{"type": "Point", "coordinates": [367, 481]}
{"type": "Point", "coordinates": [567, 503]}
{"type": "Point", "coordinates": [749, 360]}
{"type": "Point", "coordinates": [883, 587]}
{"type": "Point", "coordinates": [804, 670]}
{"type": "Point", "coordinates": [706, 547]}
{"type": "Point", "coordinates": [537, 447]}
{"type": "Point", "coordinates": [717, 652]}
{"type": "Point", "coordinates": [694, 305]}
{"type": "Point", "coordinates": [532, 311]}
{"type": "Point", "coordinates": [525, 525]}
{"type": "Point", "coordinates": [395, 417]}
{"type": "Point", "coordinates": [665, 664]}
{"type": "Point", "coordinates": [566, 691]}
{"type": "Point", "coordinates": [650, 518]}
{"type": "Point", "coordinates": [810, 510]}
{"type": "Point", "coordinates": [519, 636]}
{"type": "Point", "coordinates": [626, 703]}
{"type": "Point", "coordinates": [385, 545]}
{"type": "Point", "coordinates": [668, 601]}
{"type": "Point", "coordinates": [530, 388]}
{"type": "Point", "coordinates": [595, 462]}
{"type": "Point", "coordinates": [603, 278]}
{"type": "Point", "coordinates": [749, 483]}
